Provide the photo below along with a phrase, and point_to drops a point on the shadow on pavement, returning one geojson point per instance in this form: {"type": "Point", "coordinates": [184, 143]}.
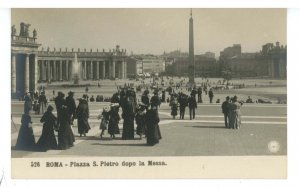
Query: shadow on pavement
{"type": "Point", "coordinates": [141, 144]}
{"type": "Point", "coordinates": [205, 126]}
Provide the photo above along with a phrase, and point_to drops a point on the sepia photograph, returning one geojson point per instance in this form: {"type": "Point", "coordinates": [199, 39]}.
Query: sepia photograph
{"type": "Point", "coordinates": [126, 92]}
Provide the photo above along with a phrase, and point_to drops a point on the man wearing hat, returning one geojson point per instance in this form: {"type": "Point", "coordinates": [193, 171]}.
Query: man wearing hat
{"type": "Point", "coordinates": [192, 106]}
{"type": "Point", "coordinates": [225, 110]}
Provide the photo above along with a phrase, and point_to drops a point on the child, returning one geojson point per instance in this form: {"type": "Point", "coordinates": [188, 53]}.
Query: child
{"type": "Point", "coordinates": [104, 116]}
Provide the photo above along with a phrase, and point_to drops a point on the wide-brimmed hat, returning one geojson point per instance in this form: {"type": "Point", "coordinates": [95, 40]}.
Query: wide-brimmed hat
{"type": "Point", "coordinates": [106, 108]}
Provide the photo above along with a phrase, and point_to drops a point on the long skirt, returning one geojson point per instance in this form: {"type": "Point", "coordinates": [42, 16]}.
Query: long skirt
{"type": "Point", "coordinates": [153, 134]}
{"type": "Point", "coordinates": [65, 137]}
{"type": "Point", "coordinates": [113, 127]}
{"type": "Point", "coordinates": [83, 125]}
{"type": "Point", "coordinates": [128, 129]}
{"type": "Point", "coordinates": [42, 108]}
{"type": "Point", "coordinates": [234, 119]}
{"type": "Point", "coordinates": [47, 140]}
{"type": "Point", "coordinates": [174, 111]}
{"type": "Point", "coordinates": [25, 140]}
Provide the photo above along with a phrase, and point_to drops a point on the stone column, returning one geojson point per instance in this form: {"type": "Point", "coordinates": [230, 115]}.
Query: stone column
{"type": "Point", "coordinates": [91, 70]}
{"type": "Point", "coordinates": [36, 72]}
{"type": "Point", "coordinates": [70, 64]}
{"type": "Point", "coordinates": [109, 69]}
{"type": "Point", "coordinates": [121, 69]}
{"type": "Point", "coordinates": [82, 67]}
{"type": "Point", "coordinates": [103, 69]}
{"type": "Point", "coordinates": [48, 71]}
{"type": "Point", "coordinates": [67, 70]}
{"type": "Point", "coordinates": [26, 80]}
{"type": "Point", "coordinates": [54, 71]}
{"type": "Point", "coordinates": [42, 70]}
{"type": "Point", "coordinates": [39, 69]}
{"type": "Point", "coordinates": [113, 69]}
{"type": "Point", "coordinates": [125, 69]}
{"type": "Point", "coordinates": [60, 70]}
{"type": "Point", "coordinates": [13, 74]}
{"type": "Point", "coordinates": [97, 70]}
{"type": "Point", "coordinates": [85, 70]}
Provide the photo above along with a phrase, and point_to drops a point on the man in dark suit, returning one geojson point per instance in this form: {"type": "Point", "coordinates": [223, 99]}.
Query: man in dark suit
{"type": "Point", "coordinates": [225, 110]}
{"type": "Point", "coordinates": [192, 106]}
{"type": "Point", "coordinates": [200, 95]}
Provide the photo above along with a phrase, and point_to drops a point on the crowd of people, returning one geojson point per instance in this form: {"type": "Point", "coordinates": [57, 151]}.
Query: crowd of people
{"type": "Point", "coordinates": [144, 113]}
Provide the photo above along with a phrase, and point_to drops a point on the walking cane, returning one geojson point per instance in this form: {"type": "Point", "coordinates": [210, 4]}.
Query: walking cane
{"type": "Point", "coordinates": [13, 122]}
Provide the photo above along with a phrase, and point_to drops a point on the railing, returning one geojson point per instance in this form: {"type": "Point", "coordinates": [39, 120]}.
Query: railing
{"type": "Point", "coordinates": [23, 39]}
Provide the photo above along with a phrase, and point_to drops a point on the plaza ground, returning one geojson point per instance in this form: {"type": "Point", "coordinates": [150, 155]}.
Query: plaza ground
{"type": "Point", "coordinates": [263, 130]}
{"type": "Point", "coordinates": [204, 136]}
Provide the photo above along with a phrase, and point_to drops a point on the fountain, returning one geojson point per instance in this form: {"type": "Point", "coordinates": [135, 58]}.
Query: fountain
{"type": "Point", "coordinates": [76, 71]}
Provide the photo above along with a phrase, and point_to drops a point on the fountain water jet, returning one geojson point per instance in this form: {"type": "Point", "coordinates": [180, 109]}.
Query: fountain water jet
{"type": "Point", "coordinates": [76, 71]}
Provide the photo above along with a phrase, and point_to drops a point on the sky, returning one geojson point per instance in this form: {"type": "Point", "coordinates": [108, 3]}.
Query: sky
{"type": "Point", "coordinates": [153, 31]}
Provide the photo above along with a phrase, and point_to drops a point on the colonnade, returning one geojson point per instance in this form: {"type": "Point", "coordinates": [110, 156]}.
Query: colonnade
{"type": "Point", "coordinates": [29, 79]}
{"type": "Point", "coordinates": [61, 70]}
{"type": "Point", "coordinates": [55, 70]}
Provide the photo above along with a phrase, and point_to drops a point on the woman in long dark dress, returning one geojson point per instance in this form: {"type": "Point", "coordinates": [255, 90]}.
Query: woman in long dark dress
{"type": "Point", "coordinates": [27, 103]}
{"type": "Point", "coordinates": [26, 140]}
{"type": "Point", "coordinates": [82, 114]}
{"type": "Point", "coordinates": [128, 116]}
{"type": "Point", "coordinates": [114, 118]}
{"type": "Point", "coordinates": [47, 140]}
{"type": "Point", "coordinates": [153, 132]}
{"type": "Point", "coordinates": [65, 134]}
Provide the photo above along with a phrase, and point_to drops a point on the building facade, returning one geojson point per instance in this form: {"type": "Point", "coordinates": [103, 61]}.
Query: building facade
{"type": "Point", "coordinates": [24, 60]}
{"type": "Point", "coordinates": [145, 64]}
{"type": "Point", "coordinates": [270, 62]}
{"type": "Point", "coordinates": [204, 66]}
{"type": "Point", "coordinates": [30, 66]}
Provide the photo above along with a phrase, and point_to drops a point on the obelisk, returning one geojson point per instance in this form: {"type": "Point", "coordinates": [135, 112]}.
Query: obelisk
{"type": "Point", "coordinates": [191, 67]}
